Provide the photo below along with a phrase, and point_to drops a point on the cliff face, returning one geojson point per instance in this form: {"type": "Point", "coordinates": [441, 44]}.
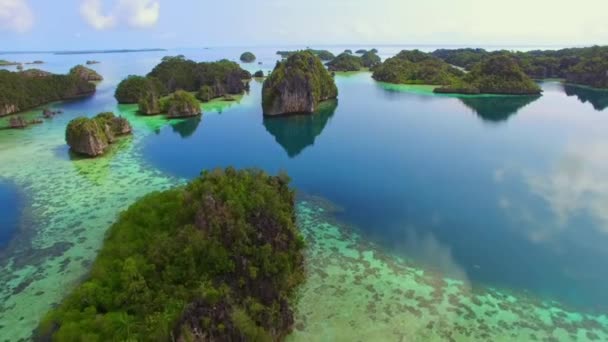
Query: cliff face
{"type": "Point", "coordinates": [91, 137]}
{"type": "Point", "coordinates": [297, 85]}
{"type": "Point", "coordinates": [182, 104]}
{"type": "Point", "coordinates": [149, 104]}
{"type": "Point", "coordinates": [7, 108]}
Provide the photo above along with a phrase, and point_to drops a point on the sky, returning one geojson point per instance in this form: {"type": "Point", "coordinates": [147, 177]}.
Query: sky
{"type": "Point", "coordinates": [107, 24]}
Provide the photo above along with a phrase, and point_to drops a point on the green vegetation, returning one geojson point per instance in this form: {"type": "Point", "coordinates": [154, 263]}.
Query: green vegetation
{"type": "Point", "coordinates": [498, 74]}
{"type": "Point", "coordinates": [415, 67]}
{"type": "Point", "coordinates": [323, 55]}
{"type": "Point", "coordinates": [209, 79]}
{"type": "Point", "coordinates": [349, 51]}
{"type": "Point", "coordinates": [91, 136]}
{"type": "Point", "coordinates": [370, 59]}
{"type": "Point", "coordinates": [345, 62]}
{"type": "Point", "coordinates": [247, 57]}
{"type": "Point", "coordinates": [85, 73]}
{"type": "Point", "coordinates": [586, 66]}
{"type": "Point", "coordinates": [220, 256]}
{"type": "Point", "coordinates": [4, 62]}
{"type": "Point", "coordinates": [361, 51]}
{"type": "Point", "coordinates": [180, 104]}
{"type": "Point", "coordinates": [133, 88]}
{"type": "Point", "coordinates": [20, 92]}
{"type": "Point", "coordinates": [297, 85]}
{"type": "Point", "coordinates": [258, 74]}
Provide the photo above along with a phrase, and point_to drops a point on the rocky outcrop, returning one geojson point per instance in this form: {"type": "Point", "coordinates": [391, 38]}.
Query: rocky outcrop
{"type": "Point", "coordinates": [35, 73]}
{"type": "Point", "coordinates": [182, 104]}
{"type": "Point", "coordinates": [149, 104]}
{"type": "Point", "coordinates": [6, 109]}
{"type": "Point", "coordinates": [17, 122]}
{"type": "Point", "coordinates": [297, 85]}
{"type": "Point", "coordinates": [86, 74]}
{"type": "Point", "coordinates": [92, 136]}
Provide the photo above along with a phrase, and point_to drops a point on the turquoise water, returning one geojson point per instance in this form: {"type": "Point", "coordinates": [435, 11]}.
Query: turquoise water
{"type": "Point", "coordinates": [427, 217]}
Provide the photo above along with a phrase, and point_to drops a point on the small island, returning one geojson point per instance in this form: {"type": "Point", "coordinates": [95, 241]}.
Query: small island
{"type": "Point", "coordinates": [248, 57]}
{"type": "Point", "coordinates": [86, 74]}
{"type": "Point", "coordinates": [89, 62]}
{"type": "Point", "coordinates": [345, 62]}
{"type": "Point", "coordinates": [28, 89]}
{"type": "Point", "coordinates": [297, 85]}
{"type": "Point", "coordinates": [415, 67]}
{"type": "Point", "coordinates": [258, 74]}
{"type": "Point", "coordinates": [205, 81]}
{"type": "Point", "coordinates": [218, 259]}
{"type": "Point", "coordinates": [92, 136]}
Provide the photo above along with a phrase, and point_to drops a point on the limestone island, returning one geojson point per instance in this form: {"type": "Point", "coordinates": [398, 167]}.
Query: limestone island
{"type": "Point", "coordinates": [218, 259]}
{"type": "Point", "coordinates": [86, 74]}
{"type": "Point", "coordinates": [92, 136]}
{"type": "Point", "coordinates": [28, 89]}
{"type": "Point", "coordinates": [89, 62]}
{"type": "Point", "coordinates": [247, 57]}
{"type": "Point", "coordinates": [177, 84]}
{"type": "Point", "coordinates": [297, 85]}
{"type": "Point", "coordinates": [258, 74]}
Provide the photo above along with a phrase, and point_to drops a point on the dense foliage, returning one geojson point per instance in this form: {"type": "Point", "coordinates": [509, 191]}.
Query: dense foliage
{"type": "Point", "coordinates": [217, 259]}
{"type": "Point", "coordinates": [499, 74]}
{"type": "Point", "coordinates": [586, 66]}
{"type": "Point", "coordinates": [91, 136]}
{"type": "Point", "coordinates": [258, 74]}
{"type": "Point", "coordinates": [348, 51]}
{"type": "Point", "coordinates": [415, 67]}
{"type": "Point", "coordinates": [323, 55]}
{"type": "Point", "coordinates": [180, 104]}
{"type": "Point", "coordinates": [133, 88]}
{"type": "Point", "coordinates": [85, 73]}
{"type": "Point", "coordinates": [300, 75]}
{"type": "Point", "coordinates": [177, 73]}
{"type": "Point", "coordinates": [370, 59]}
{"type": "Point", "coordinates": [247, 57]}
{"type": "Point", "coordinates": [19, 91]}
{"type": "Point", "coordinates": [345, 62]}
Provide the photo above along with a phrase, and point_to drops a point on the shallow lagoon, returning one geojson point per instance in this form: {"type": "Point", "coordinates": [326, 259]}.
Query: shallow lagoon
{"type": "Point", "coordinates": [430, 216]}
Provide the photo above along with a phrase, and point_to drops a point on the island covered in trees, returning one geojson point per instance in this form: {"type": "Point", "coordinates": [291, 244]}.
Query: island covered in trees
{"type": "Point", "coordinates": [297, 85]}
{"type": "Point", "coordinates": [195, 82]}
{"type": "Point", "coordinates": [215, 260]}
{"type": "Point", "coordinates": [247, 57]}
{"type": "Point", "coordinates": [348, 62]}
{"type": "Point", "coordinates": [28, 89]}
{"type": "Point", "coordinates": [92, 136]}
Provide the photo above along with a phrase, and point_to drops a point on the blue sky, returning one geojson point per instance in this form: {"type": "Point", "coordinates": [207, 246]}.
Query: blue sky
{"type": "Point", "coordinates": [100, 24]}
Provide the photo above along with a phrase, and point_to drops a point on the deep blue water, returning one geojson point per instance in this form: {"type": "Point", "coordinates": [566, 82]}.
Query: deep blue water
{"type": "Point", "coordinates": [10, 213]}
{"type": "Point", "coordinates": [492, 189]}
{"type": "Point", "coordinates": [502, 191]}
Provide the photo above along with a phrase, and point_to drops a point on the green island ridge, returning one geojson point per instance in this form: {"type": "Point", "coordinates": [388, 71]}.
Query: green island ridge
{"type": "Point", "coordinates": [247, 57]}
{"type": "Point", "coordinates": [584, 66]}
{"type": "Point", "coordinates": [218, 259]}
{"type": "Point", "coordinates": [92, 136]}
{"type": "Point", "coordinates": [498, 74]}
{"type": "Point", "coordinates": [415, 67]}
{"type": "Point", "coordinates": [209, 80]}
{"type": "Point", "coordinates": [345, 62]}
{"type": "Point", "coordinates": [86, 74]}
{"type": "Point", "coordinates": [21, 91]}
{"type": "Point", "coordinates": [323, 55]}
{"type": "Point", "coordinates": [297, 85]}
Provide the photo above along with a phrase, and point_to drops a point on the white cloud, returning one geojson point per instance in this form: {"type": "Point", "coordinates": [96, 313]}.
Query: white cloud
{"type": "Point", "coordinates": [92, 12]}
{"type": "Point", "coordinates": [134, 13]}
{"type": "Point", "coordinates": [15, 15]}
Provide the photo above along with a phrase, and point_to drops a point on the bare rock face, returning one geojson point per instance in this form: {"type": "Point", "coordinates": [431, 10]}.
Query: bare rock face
{"type": "Point", "coordinates": [149, 104]}
{"type": "Point", "coordinates": [17, 122]}
{"type": "Point", "coordinates": [8, 109]}
{"type": "Point", "coordinates": [297, 85]}
{"type": "Point", "coordinates": [92, 136]}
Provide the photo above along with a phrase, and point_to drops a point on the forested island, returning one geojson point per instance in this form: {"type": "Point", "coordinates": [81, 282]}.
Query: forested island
{"type": "Point", "coordinates": [585, 66]}
{"type": "Point", "coordinates": [24, 90]}
{"type": "Point", "coordinates": [324, 55]}
{"type": "Point", "coordinates": [297, 85]}
{"type": "Point", "coordinates": [92, 136]}
{"type": "Point", "coordinates": [499, 74]}
{"type": "Point", "coordinates": [199, 82]}
{"type": "Point", "coordinates": [247, 57]}
{"type": "Point", "coordinates": [215, 260]}
{"type": "Point", "coordinates": [349, 62]}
